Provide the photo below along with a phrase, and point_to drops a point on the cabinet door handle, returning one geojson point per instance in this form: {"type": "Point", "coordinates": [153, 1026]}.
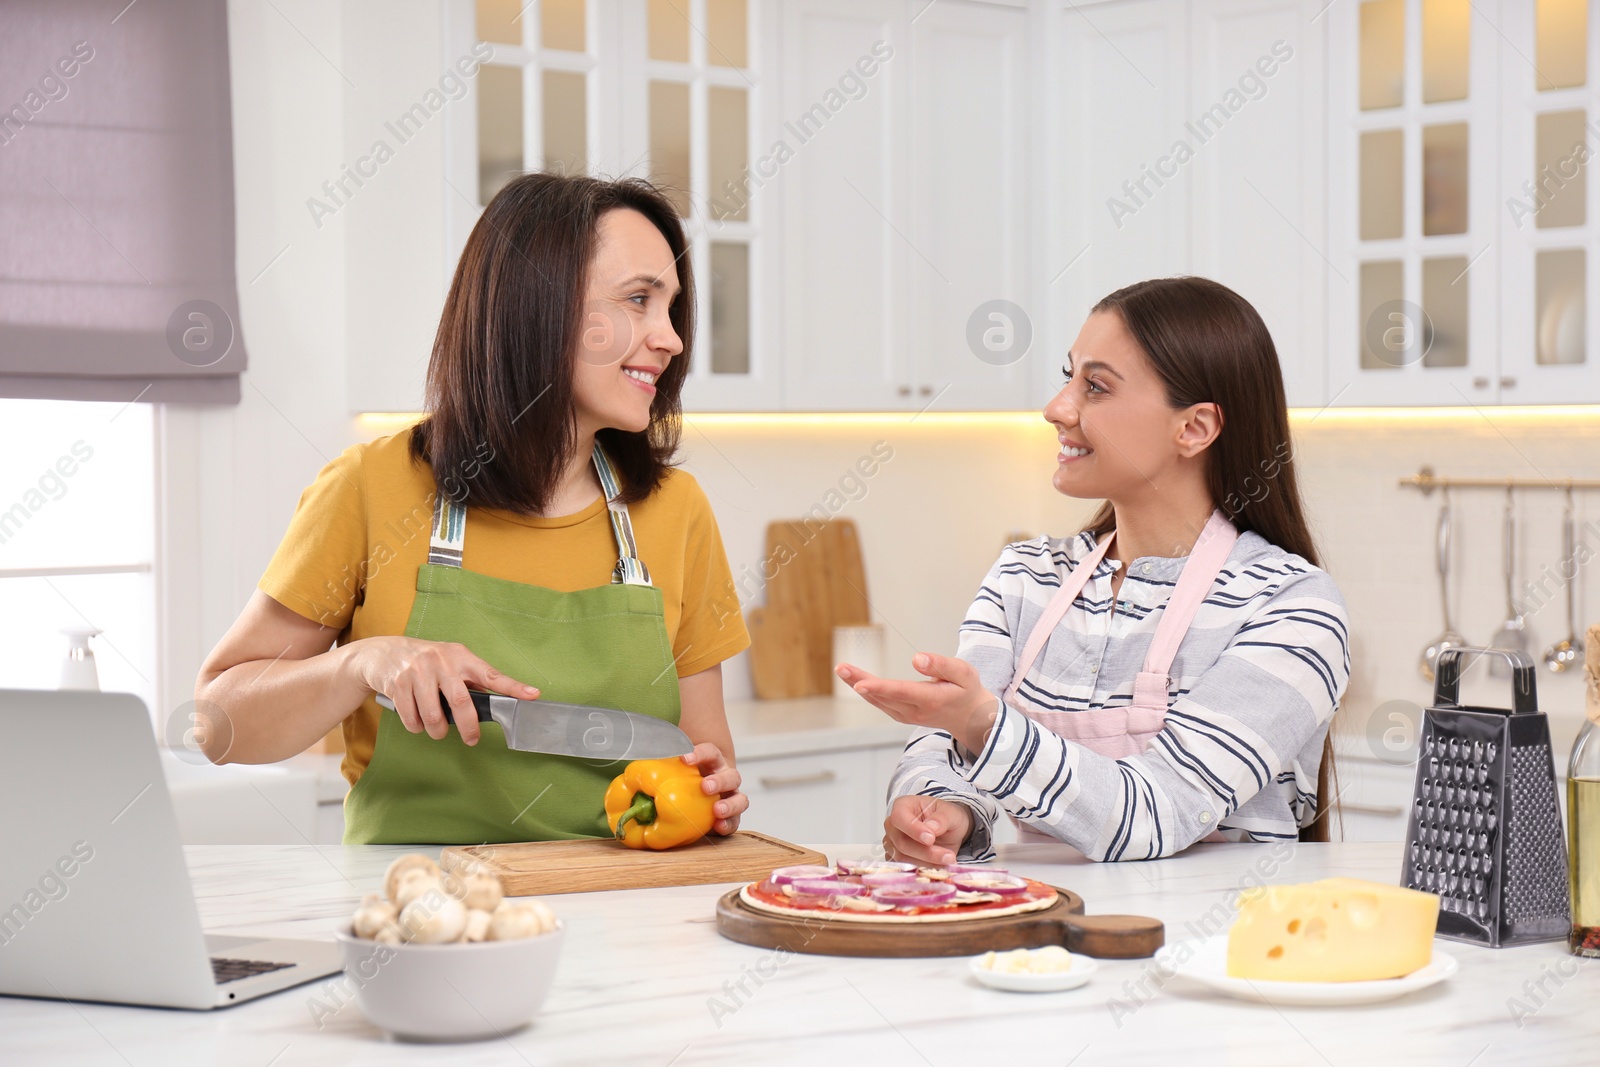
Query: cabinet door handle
{"type": "Point", "coordinates": [926, 390]}
{"type": "Point", "coordinates": [785, 781]}
{"type": "Point", "coordinates": [1480, 382]}
{"type": "Point", "coordinates": [1508, 383]}
{"type": "Point", "coordinates": [904, 390]}
{"type": "Point", "coordinates": [1371, 809]}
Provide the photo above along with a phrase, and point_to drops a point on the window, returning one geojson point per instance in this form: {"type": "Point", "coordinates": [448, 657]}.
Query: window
{"type": "Point", "coordinates": [77, 534]}
{"type": "Point", "coordinates": [575, 89]}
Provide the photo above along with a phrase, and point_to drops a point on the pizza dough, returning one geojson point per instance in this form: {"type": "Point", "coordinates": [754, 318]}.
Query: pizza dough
{"type": "Point", "coordinates": [760, 896]}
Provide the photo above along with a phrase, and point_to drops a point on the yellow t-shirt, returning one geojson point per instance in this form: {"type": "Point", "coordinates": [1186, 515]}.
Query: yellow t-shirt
{"type": "Point", "coordinates": [350, 557]}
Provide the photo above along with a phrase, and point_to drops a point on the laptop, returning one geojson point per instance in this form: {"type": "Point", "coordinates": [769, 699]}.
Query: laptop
{"type": "Point", "coordinates": [95, 900]}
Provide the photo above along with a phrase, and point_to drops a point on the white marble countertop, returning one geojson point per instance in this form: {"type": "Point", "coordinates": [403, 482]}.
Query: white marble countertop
{"type": "Point", "coordinates": [643, 973]}
{"type": "Point", "coordinates": [769, 728]}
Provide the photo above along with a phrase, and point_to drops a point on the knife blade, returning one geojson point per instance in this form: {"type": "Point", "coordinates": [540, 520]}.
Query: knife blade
{"type": "Point", "coordinates": [579, 730]}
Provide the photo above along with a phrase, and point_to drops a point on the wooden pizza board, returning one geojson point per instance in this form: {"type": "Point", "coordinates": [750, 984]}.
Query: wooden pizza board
{"type": "Point", "coordinates": [592, 865]}
{"type": "Point", "coordinates": [1111, 937]}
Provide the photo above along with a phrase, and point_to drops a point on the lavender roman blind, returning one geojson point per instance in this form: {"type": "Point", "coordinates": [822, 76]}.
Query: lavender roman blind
{"type": "Point", "coordinates": [116, 202]}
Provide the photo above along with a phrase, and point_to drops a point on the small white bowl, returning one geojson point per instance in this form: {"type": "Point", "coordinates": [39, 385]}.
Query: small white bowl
{"type": "Point", "coordinates": [454, 992]}
{"type": "Point", "coordinates": [1083, 968]}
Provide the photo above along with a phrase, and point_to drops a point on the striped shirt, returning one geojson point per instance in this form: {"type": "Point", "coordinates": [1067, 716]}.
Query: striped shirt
{"type": "Point", "coordinates": [1255, 684]}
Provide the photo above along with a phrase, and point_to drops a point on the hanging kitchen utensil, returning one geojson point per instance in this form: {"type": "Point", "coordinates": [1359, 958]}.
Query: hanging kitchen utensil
{"type": "Point", "coordinates": [1485, 831]}
{"type": "Point", "coordinates": [1513, 633]}
{"type": "Point", "coordinates": [1450, 638]}
{"type": "Point", "coordinates": [1564, 653]}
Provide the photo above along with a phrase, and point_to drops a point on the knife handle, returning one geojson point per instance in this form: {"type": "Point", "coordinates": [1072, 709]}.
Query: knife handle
{"type": "Point", "coordinates": [480, 700]}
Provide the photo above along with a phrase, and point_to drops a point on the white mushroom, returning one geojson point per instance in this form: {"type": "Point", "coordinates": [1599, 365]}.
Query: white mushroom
{"type": "Point", "coordinates": [483, 891]}
{"type": "Point", "coordinates": [433, 920]}
{"type": "Point", "coordinates": [415, 884]}
{"type": "Point", "coordinates": [373, 914]}
{"type": "Point", "coordinates": [390, 934]}
{"type": "Point", "coordinates": [477, 925]}
{"type": "Point", "coordinates": [518, 919]}
{"type": "Point", "coordinates": [408, 862]}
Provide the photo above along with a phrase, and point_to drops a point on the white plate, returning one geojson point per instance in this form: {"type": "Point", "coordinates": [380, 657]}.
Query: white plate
{"type": "Point", "coordinates": [1083, 968]}
{"type": "Point", "coordinates": [1208, 965]}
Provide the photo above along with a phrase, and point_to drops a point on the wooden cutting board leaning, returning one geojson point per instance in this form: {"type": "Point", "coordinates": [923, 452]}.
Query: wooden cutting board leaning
{"type": "Point", "coordinates": [817, 581]}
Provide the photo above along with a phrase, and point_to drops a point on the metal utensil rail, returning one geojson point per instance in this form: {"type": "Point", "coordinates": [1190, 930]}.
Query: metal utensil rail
{"type": "Point", "coordinates": [1427, 481]}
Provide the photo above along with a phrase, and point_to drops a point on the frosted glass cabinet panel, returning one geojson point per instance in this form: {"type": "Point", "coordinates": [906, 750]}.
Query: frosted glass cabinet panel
{"type": "Point", "coordinates": [500, 148]}
{"type": "Point", "coordinates": [1383, 53]}
{"type": "Point", "coordinates": [1561, 36]}
{"type": "Point", "coordinates": [1446, 49]}
{"type": "Point", "coordinates": [1382, 184]}
{"type": "Point", "coordinates": [1560, 321]}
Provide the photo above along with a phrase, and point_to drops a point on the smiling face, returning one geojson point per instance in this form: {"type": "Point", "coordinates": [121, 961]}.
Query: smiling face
{"type": "Point", "coordinates": [1119, 434]}
{"type": "Point", "coordinates": [627, 339]}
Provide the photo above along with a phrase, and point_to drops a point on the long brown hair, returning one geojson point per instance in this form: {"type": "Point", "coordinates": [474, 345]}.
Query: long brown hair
{"type": "Point", "coordinates": [1208, 345]}
{"type": "Point", "coordinates": [500, 427]}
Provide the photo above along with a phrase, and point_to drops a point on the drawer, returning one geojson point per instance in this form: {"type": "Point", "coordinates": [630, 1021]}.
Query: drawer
{"type": "Point", "coordinates": [820, 798]}
{"type": "Point", "coordinates": [1375, 800]}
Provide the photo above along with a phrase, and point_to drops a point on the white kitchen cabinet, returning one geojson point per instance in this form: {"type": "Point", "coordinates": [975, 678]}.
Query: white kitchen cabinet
{"type": "Point", "coordinates": [1503, 280]}
{"type": "Point", "coordinates": [1174, 151]}
{"type": "Point", "coordinates": [1374, 799]}
{"type": "Point", "coordinates": [846, 259]}
{"type": "Point", "coordinates": [1413, 213]}
{"type": "Point", "coordinates": [969, 186]}
{"type": "Point", "coordinates": [1118, 88]}
{"type": "Point", "coordinates": [826, 796]}
{"type": "Point", "coordinates": [1256, 119]}
{"type": "Point", "coordinates": [908, 209]}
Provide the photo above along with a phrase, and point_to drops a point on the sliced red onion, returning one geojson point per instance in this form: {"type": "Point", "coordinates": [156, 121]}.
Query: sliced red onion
{"type": "Point", "coordinates": [882, 878]}
{"type": "Point", "coordinates": [785, 875]}
{"type": "Point", "coordinates": [827, 887]}
{"type": "Point", "coordinates": [990, 882]}
{"type": "Point", "coordinates": [975, 868]}
{"type": "Point", "coordinates": [914, 895]}
{"type": "Point", "coordinates": [869, 866]}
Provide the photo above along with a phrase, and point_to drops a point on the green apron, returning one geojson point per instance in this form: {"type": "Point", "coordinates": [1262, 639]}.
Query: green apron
{"type": "Point", "coordinates": [606, 646]}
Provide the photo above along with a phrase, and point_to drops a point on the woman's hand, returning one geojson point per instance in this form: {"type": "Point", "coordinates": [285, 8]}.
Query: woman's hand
{"type": "Point", "coordinates": [926, 830]}
{"type": "Point", "coordinates": [413, 672]}
{"type": "Point", "coordinates": [955, 701]}
{"type": "Point", "coordinates": [720, 776]}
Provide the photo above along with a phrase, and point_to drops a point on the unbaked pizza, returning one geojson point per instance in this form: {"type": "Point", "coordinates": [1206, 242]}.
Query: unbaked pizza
{"type": "Point", "coordinates": [883, 891]}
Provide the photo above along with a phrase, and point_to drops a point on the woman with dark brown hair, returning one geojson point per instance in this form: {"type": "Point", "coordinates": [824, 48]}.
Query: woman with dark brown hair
{"type": "Point", "coordinates": [528, 537]}
{"type": "Point", "coordinates": [1169, 674]}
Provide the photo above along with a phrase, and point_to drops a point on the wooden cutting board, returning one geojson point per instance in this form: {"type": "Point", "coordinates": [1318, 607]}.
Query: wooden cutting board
{"type": "Point", "coordinates": [819, 582]}
{"type": "Point", "coordinates": [1107, 937]}
{"type": "Point", "coordinates": [779, 661]}
{"type": "Point", "coordinates": [534, 868]}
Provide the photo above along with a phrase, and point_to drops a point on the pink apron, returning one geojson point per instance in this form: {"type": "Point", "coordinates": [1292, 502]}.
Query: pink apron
{"type": "Point", "coordinates": [1118, 732]}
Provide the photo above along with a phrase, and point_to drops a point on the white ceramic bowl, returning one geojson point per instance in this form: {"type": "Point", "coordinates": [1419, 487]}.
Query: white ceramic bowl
{"type": "Point", "coordinates": [453, 992]}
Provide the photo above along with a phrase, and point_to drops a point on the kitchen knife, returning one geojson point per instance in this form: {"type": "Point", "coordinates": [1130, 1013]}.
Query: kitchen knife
{"type": "Point", "coordinates": [574, 729]}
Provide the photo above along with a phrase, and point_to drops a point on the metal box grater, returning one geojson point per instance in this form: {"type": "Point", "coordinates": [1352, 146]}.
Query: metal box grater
{"type": "Point", "coordinates": [1485, 831]}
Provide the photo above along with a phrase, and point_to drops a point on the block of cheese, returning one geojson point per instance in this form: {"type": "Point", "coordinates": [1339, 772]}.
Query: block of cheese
{"type": "Point", "coordinates": [1335, 930]}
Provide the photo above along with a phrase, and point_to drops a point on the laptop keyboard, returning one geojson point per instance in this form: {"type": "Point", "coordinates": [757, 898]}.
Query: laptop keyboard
{"type": "Point", "coordinates": [226, 970]}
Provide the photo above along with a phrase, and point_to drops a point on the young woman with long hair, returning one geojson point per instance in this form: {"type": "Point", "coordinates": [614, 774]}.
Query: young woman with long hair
{"type": "Point", "coordinates": [1168, 674]}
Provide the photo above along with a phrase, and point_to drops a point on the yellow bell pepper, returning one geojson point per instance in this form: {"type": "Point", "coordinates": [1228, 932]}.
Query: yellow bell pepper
{"type": "Point", "coordinates": [658, 803]}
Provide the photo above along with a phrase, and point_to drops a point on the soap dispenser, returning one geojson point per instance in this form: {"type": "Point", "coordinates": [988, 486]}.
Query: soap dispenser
{"type": "Point", "coordinates": [78, 670]}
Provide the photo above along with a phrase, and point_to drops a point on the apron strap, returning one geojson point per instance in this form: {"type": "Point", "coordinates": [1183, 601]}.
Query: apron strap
{"type": "Point", "coordinates": [449, 532]}
{"type": "Point", "coordinates": [630, 569]}
{"type": "Point", "coordinates": [1071, 586]}
{"type": "Point", "coordinates": [1206, 559]}
{"type": "Point", "coordinates": [1150, 688]}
